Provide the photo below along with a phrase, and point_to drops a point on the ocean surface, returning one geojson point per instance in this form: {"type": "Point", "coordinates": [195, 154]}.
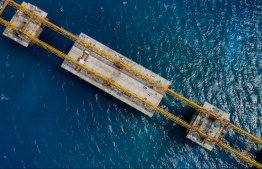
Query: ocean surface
{"type": "Point", "coordinates": [209, 49]}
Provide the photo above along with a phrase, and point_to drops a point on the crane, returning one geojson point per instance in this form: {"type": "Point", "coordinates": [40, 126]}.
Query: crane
{"type": "Point", "coordinates": [134, 72]}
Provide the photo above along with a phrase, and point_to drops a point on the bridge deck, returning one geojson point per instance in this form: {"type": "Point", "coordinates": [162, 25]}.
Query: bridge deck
{"type": "Point", "coordinates": [116, 74]}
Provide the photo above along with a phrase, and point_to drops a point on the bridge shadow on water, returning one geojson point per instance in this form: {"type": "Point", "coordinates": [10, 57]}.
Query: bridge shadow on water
{"type": "Point", "coordinates": [258, 158]}
{"type": "Point", "coordinates": [178, 132]}
{"type": "Point", "coordinates": [175, 132]}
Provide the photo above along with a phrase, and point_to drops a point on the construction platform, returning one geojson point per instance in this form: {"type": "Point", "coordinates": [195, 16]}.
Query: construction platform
{"type": "Point", "coordinates": [26, 24]}
{"type": "Point", "coordinates": [210, 126]}
{"type": "Point", "coordinates": [116, 74]}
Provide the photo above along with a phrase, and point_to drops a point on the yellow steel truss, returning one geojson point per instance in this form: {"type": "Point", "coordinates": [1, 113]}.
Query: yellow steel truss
{"type": "Point", "coordinates": [134, 72]}
{"type": "Point", "coordinates": [126, 91]}
{"type": "Point", "coordinates": [3, 6]}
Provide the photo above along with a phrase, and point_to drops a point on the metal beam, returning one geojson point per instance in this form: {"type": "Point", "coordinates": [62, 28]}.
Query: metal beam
{"type": "Point", "coordinates": [135, 73]}
{"type": "Point", "coordinates": [2, 7]}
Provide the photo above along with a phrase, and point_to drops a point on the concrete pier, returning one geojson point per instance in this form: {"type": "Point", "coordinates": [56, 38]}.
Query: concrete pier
{"type": "Point", "coordinates": [112, 72]}
{"type": "Point", "coordinates": [210, 126]}
{"type": "Point", "coordinates": [26, 24]}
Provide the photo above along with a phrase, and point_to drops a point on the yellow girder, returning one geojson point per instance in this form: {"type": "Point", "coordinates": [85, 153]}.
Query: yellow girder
{"type": "Point", "coordinates": [134, 72]}
{"type": "Point", "coordinates": [126, 91]}
{"type": "Point", "coordinates": [3, 7]}
{"type": "Point", "coordinates": [131, 94]}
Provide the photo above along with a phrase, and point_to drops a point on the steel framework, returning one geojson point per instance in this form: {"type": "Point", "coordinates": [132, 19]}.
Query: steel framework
{"type": "Point", "coordinates": [146, 79]}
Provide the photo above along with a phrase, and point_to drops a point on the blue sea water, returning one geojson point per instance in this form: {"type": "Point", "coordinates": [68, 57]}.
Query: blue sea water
{"type": "Point", "coordinates": [209, 49]}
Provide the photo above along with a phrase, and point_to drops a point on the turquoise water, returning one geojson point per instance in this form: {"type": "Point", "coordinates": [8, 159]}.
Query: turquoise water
{"type": "Point", "coordinates": [50, 118]}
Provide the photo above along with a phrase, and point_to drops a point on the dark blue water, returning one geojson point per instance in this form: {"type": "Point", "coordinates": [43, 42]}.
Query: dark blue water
{"type": "Point", "coordinates": [210, 50]}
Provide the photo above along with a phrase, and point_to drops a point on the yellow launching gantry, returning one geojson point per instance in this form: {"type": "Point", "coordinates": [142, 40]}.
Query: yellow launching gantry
{"type": "Point", "coordinates": [225, 124]}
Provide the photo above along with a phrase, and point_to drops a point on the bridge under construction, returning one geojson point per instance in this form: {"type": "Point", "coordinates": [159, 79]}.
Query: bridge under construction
{"type": "Point", "coordinates": [122, 78]}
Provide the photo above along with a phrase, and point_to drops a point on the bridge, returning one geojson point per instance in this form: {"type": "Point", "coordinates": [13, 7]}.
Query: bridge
{"type": "Point", "coordinates": [225, 124]}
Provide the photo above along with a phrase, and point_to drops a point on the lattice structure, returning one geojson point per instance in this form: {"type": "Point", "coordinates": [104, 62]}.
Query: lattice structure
{"type": "Point", "coordinates": [159, 86]}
